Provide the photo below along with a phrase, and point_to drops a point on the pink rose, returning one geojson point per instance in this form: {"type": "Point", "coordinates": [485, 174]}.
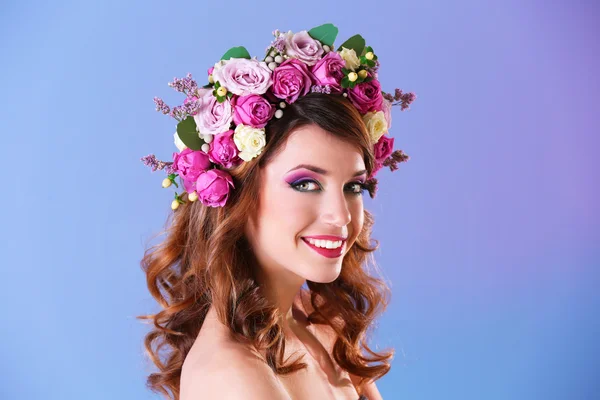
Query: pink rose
{"type": "Point", "coordinates": [291, 80]}
{"type": "Point", "coordinates": [223, 150]}
{"type": "Point", "coordinates": [213, 117]}
{"type": "Point", "coordinates": [213, 187]}
{"type": "Point", "coordinates": [189, 164]}
{"type": "Point", "coordinates": [383, 149]}
{"type": "Point", "coordinates": [328, 71]}
{"type": "Point", "coordinates": [252, 110]}
{"type": "Point", "coordinates": [242, 77]}
{"type": "Point", "coordinates": [301, 46]}
{"type": "Point", "coordinates": [366, 96]}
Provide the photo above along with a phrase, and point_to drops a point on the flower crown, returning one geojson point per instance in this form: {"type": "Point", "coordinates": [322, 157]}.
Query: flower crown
{"type": "Point", "coordinates": [222, 124]}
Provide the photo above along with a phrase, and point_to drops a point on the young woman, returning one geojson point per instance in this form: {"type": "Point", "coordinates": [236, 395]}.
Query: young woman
{"type": "Point", "coordinates": [262, 271]}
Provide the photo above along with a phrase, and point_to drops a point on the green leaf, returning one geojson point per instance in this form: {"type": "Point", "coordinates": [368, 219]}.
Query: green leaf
{"type": "Point", "coordinates": [345, 82]}
{"type": "Point", "coordinates": [325, 34]}
{"type": "Point", "coordinates": [371, 63]}
{"type": "Point", "coordinates": [186, 130]}
{"type": "Point", "coordinates": [236, 52]}
{"type": "Point", "coordinates": [356, 43]}
{"type": "Point", "coordinates": [217, 84]}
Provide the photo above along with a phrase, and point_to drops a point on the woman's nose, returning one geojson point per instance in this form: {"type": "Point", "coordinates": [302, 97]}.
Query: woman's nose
{"type": "Point", "coordinates": [335, 210]}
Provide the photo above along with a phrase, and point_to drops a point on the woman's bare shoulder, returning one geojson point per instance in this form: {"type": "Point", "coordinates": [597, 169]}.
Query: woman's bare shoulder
{"type": "Point", "coordinates": [219, 368]}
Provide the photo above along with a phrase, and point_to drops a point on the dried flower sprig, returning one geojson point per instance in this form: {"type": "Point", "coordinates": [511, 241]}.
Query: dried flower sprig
{"type": "Point", "coordinates": [151, 161]}
{"type": "Point", "coordinates": [392, 161]}
{"type": "Point", "coordinates": [161, 106]}
{"type": "Point", "coordinates": [321, 89]}
{"type": "Point", "coordinates": [278, 44]}
{"type": "Point", "coordinates": [400, 99]}
{"type": "Point", "coordinates": [186, 85]}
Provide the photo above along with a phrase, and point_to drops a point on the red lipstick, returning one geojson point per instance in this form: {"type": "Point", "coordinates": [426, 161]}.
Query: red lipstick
{"type": "Point", "coordinates": [329, 253]}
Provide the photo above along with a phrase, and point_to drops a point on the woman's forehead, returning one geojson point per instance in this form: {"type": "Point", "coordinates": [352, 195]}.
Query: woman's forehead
{"type": "Point", "coordinates": [313, 145]}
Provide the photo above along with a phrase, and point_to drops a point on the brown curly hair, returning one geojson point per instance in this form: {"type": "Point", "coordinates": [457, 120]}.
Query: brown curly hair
{"type": "Point", "coordinates": [205, 260]}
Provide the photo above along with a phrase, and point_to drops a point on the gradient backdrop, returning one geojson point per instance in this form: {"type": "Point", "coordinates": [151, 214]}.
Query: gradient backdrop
{"type": "Point", "coordinates": [490, 234]}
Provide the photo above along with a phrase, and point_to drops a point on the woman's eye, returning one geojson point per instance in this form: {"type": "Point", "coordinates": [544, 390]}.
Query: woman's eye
{"type": "Point", "coordinates": [358, 187]}
{"type": "Point", "coordinates": [305, 186]}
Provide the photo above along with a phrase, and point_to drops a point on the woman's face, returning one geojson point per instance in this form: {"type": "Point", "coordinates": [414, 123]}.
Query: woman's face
{"type": "Point", "coordinates": [311, 188]}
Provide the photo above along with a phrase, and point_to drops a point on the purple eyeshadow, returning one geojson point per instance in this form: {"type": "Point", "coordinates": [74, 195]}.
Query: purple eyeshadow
{"type": "Point", "coordinates": [299, 176]}
{"type": "Point", "coordinates": [302, 175]}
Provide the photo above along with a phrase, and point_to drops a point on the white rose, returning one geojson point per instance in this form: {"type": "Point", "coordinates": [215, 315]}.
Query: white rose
{"type": "Point", "coordinates": [178, 143]}
{"type": "Point", "coordinates": [249, 141]}
{"type": "Point", "coordinates": [376, 125]}
{"type": "Point", "coordinates": [349, 55]}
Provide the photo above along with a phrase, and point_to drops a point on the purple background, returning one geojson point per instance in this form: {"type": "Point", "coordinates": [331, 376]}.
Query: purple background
{"type": "Point", "coordinates": [489, 234]}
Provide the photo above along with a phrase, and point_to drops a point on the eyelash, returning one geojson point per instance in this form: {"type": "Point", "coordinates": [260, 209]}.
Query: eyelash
{"type": "Point", "coordinates": [294, 185]}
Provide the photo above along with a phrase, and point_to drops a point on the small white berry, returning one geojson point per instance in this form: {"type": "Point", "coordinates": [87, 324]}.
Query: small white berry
{"type": "Point", "coordinates": [278, 114]}
{"type": "Point", "coordinates": [208, 138]}
{"type": "Point", "coordinates": [345, 94]}
{"type": "Point", "coordinates": [278, 59]}
{"type": "Point", "coordinates": [193, 196]}
{"type": "Point", "coordinates": [205, 147]}
{"type": "Point", "coordinates": [269, 59]}
{"type": "Point", "coordinates": [166, 183]}
{"type": "Point", "coordinates": [272, 53]}
{"type": "Point", "coordinates": [282, 104]}
{"type": "Point", "coordinates": [272, 66]}
{"type": "Point", "coordinates": [326, 48]}
{"type": "Point", "coordinates": [174, 204]}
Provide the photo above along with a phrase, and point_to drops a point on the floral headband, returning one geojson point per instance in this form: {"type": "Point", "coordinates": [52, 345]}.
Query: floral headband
{"type": "Point", "coordinates": [222, 124]}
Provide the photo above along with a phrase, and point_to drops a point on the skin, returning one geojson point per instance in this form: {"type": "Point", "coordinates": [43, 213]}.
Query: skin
{"type": "Point", "coordinates": [318, 205]}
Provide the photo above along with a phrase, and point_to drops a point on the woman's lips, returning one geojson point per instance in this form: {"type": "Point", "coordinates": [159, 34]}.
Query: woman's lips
{"type": "Point", "coordinates": [329, 253]}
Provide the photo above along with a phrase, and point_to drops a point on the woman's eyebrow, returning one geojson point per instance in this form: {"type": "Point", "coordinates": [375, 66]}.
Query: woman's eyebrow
{"type": "Point", "coordinates": [321, 171]}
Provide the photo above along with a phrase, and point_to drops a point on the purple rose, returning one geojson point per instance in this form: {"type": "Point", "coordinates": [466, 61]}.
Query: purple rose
{"type": "Point", "coordinates": [223, 150]}
{"type": "Point", "coordinates": [242, 77]}
{"type": "Point", "coordinates": [366, 96]}
{"type": "Point", "coordinates": [252, 110]}
{"type": "Point", "coordinates": [213, 187]}
{"type": "Point", "coordinates": [189, 164]}
{"type": "Point", "coordinates": [383, 149]}
{"type": "Point", "coordinates": [301, 46]}
{"type": "Point", "coordinates": [212, 117]}
{"type": "Point", "coordinates": [291, 80]}
{"type": "Point", "coordinates": [328, 71]}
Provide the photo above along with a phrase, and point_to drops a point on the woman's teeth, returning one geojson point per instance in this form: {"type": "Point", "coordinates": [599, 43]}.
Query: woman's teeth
{"type": "Point", "coordinates": [326, 244]}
